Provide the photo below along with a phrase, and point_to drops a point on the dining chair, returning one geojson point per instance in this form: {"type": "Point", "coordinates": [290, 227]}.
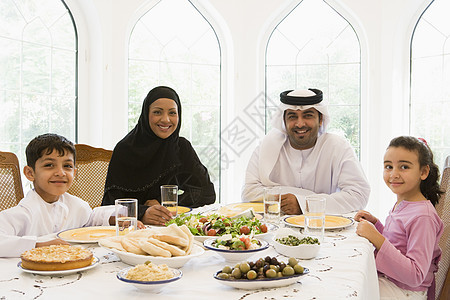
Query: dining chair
{"type": "Point", "coordinates": [11, 191]}
{"type": "Point", "coordinates": [92, 166]}
{"type": "Point", "coordinates": [443, 210]}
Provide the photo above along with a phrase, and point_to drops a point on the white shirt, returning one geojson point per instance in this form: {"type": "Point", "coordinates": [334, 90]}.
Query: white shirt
{"type": "Point", "coordinates": [329, 168]}
{"type": "Point", "coordinates": [20, 226]}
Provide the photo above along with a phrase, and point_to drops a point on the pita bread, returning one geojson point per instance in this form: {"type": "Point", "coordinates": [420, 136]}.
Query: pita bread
{"type": "Point", "coordinates": [190, 236]}
{"type": "Point", "coordinates": [175, 251]}
{"type": "Point", "coordinates": [171, 239]}
{"type": "Point", "coordinates": [142, 233]}
{"type": "Point", "coordinates": [113, 242]}
{"type": "Point", "coordinates": [153, 249]}
{"type": "Point", "coordinates": [132, 245]}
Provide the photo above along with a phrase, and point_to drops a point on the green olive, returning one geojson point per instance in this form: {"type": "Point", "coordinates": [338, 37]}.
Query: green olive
{"type": "Point", "coordinates": [223, 275]}
{"type": "Point", "coordinates": [298, 269]}
{"type": "Point", "coordinates": [251, 275]}
{"type": "Point", "coordinates": [279, 274]}
{"type": "Point", "coordinates": [244, 267]}
{"type": "Point", "coordinates": [236, 273]}
{"type": "Point", "coordinates": [288, 271]}
{"type": "Point", "coordinates": [271, 273]}
{"type": "Point", "coordinates": [227, 269]}
{"type": "Point", "coordinates": [292, 261]}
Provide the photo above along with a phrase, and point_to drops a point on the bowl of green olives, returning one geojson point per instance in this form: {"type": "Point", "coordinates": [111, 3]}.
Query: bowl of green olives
{"type": "Point", "coordinates": [265, 272]}
{"type": "Point", "coordinates": [292, 243]}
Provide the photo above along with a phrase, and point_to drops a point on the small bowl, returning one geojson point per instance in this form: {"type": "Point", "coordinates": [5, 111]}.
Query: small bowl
{"type": "Point", "coordinates": [153, 286]}
{"type": "Point", "coordinates": [235, 255]}
{"type": "Point", "coordinates": [304, 251]}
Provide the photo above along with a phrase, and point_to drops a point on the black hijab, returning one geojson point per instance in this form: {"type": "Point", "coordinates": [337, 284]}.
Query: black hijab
{"type": "Point", "coordinates": [141, 159]}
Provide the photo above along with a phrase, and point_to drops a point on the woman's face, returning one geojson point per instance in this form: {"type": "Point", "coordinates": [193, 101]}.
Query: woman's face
{"type": "Point", "coordinates": [163, 117]}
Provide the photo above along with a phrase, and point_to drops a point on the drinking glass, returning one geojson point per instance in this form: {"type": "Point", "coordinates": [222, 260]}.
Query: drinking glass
{"type": "Point", "coordinates": [315, 216]}
{"type": "Point", "coordinates": [272, 202]}
{"type": "Point", "coordinates": [169, 198]}
{"type": "Point", "coordinates": [126, 215]}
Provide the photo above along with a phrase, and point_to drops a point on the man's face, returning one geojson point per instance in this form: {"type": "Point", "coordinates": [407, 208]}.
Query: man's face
{"type": "Point", "coordinates": [302, 127]}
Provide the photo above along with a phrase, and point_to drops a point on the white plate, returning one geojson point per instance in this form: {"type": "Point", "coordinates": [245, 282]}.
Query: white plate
{"type": "Point", "coordinates": [60, 272]}
{"type": "Point", "coordinates": [270, 229]}
{"type": "Point", "coordinates": [87, 234]}
{"type": "Point", "coordinates": [331, 221]}
{"type": "Point", "coordinates": [153, 286]}
{"type": "Point", "coordinates": [173, 262]}
{"type": "Point", "coordinates": [246, 284]}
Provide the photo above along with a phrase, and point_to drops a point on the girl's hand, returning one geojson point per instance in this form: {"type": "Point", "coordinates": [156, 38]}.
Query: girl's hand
{"type": "Point", "coordinates": [52, 242]}
{"type": "Point", "coordinates": [140, 225]}
{"type": "Point", "coordinates": [368, 230]}
{"type": "Point", "coordinates": [156, 215]}
{"type": "Point", "coordinates": [365, 215]}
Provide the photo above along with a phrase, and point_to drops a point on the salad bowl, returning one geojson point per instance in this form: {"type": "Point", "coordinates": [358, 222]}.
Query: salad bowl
{"type": "Point", "coordinates": [234, 255]}
{"type": "Point", "coordinates": [302, 251]}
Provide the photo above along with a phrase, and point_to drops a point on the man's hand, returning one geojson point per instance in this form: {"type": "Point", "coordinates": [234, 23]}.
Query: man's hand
{"type": "Point", "coordinates": [156, 215]}
{"type": "Point", "coordinates": [289, 205]}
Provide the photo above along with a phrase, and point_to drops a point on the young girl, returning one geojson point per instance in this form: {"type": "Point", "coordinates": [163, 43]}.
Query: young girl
{"type": "Point", "coordinates": [407, 251]}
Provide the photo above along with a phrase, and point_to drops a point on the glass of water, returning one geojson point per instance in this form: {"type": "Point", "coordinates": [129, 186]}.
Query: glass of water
{"type": "Point", "coordinates": [126, 215]}
{"type": "Point", "coordinates": [169, 198]}
{"type": "Point", "coordinates": [272, 203]}
{"type": "Point", "coordinates": [315, 216]}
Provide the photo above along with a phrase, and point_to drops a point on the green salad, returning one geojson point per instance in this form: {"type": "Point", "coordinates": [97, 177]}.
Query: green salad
{"type": "Point", "coordinates": [218, 225]}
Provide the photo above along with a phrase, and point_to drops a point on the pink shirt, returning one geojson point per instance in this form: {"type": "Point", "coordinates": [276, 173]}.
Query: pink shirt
{"type": "Point", "coordinates": [410, 254]}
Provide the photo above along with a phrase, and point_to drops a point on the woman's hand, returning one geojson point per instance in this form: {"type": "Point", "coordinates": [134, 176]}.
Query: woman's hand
{"type": "Point", "coordinates": [156, 215]}
{"type": "Point", "coordinates": [365, 215]}
{"type": "Point", "coordinates": [52, 242]}
{"type": "Point", "coordinates": [368, 230]}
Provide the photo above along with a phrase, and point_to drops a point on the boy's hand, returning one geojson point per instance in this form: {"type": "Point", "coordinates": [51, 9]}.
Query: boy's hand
{"type": "Point", "coordinates": [52, 242]}
{"type": "Point", "coordinates": [368, 230]}
{"type": "Point", "coordinates": [365, 215]}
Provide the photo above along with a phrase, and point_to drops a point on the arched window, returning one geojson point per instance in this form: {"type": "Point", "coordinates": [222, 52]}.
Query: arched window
{"type": "Point", "coordinates": [430, 79]}
{"type": "Point", "coordinates": [184, 55]}
{"type": "Point", "coordinates": [315, 47]}
{"type": "Point", "coordinates": [38, 63]}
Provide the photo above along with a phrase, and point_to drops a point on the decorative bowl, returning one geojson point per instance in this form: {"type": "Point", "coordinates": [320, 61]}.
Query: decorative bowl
{"type": "Point", "coordinates": [153, 286]}
{"type": "Point", "coordinates": [303, 251]}
{"type": "Point", "coordinates": [235, 255]}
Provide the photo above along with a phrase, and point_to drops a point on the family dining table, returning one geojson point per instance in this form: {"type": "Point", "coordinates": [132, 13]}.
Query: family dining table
{"type": "Point", "coordinates": [343, 269]}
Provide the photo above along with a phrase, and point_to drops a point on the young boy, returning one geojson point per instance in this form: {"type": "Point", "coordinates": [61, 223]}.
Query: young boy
{"type": "Point", "coordinates": [48, 208]}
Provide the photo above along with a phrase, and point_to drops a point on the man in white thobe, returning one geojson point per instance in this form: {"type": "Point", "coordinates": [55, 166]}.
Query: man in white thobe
{"type": "Point", "coordinates": [298, 155]}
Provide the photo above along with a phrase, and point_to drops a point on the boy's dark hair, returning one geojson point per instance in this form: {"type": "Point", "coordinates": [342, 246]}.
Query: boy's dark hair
{"type": "Point", "coordinates": [430, 186]}
{"type": "Point", "coordinates": [45, 144]}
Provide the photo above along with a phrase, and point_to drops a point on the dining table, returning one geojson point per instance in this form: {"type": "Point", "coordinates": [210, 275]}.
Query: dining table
{"type": "Point", "coordinates": [344, 268]}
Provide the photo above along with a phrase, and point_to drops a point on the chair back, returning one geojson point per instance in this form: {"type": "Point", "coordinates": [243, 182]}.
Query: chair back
{"type": "Point", "coordinates": [92, 166]}
{"type": "Point", "coordinates": [443, 210]}
{"type": "Point", "coordinates": [11, 191]}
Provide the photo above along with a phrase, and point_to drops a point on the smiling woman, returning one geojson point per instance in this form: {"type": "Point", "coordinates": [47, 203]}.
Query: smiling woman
{"type": "Point", "coordinates": [153, 154]}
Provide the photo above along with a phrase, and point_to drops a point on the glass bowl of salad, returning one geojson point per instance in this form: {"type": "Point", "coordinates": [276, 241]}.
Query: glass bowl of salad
{"type": "Point", "coordinates": [236, 248]}
{"type": "Point", "coordinates": [292, 243]}
{"type": "Point", "coordinates": [204, 227]}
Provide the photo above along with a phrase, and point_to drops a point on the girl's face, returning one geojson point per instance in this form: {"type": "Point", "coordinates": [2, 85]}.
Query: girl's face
{"type": "Point", "coordinates": [163, 117]}
{"type": "Point", "coordinates": [403, 174]}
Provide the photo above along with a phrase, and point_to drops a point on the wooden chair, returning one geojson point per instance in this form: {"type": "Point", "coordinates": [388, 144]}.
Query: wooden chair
{"type": "Point", "coordinates": [92, 167]}
{"type": "Point", "coordinates": [443, 210]}
{"type": "Point", "coordinates": [11, 191]}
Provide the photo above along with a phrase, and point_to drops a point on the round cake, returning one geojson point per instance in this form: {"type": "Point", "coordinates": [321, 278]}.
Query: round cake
{"type": "Point", "coordinates": [56, 258]}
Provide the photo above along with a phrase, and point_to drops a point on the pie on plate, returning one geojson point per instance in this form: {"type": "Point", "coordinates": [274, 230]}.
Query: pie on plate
{"type": "Point", "coordinates": [56, 258]}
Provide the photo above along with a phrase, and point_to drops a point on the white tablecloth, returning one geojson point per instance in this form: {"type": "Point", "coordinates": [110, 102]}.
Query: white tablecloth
{"type": "Point", "coordinates": [344, 269]}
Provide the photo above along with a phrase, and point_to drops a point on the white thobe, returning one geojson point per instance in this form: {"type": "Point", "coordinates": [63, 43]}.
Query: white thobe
{"type": "Point", "coordinates": [20, 226]}
{"type": "Point", "coordinates": [330, 168]}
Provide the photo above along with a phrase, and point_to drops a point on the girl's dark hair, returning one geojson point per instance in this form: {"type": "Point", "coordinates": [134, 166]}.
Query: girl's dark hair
{"type": "Point", "coordinates": [45, 144]}
{"type": "Point", "coordinates": [429, 186]}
